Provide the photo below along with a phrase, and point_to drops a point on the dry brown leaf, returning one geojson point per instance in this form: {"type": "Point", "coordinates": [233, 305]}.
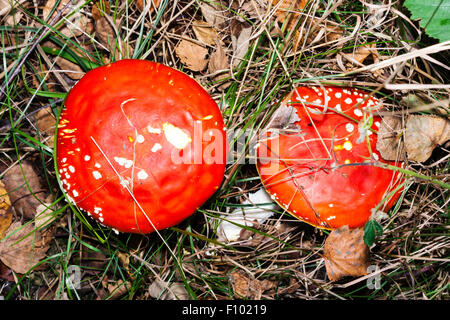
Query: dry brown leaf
{"type": "Point", "coordinates": [105, 31]}
{"type": "Point", "coordinates": [423, 133]}
{"type": "Point", "coordinates": [77, 23]}
{"type": "Point", "coordinates": [240, 37]}
{"type": "Point", "coordinates": [44, 215]}
{"type": "Point", "coordinates": [118, 289]}
{"type": "Point", "coordinates": [192, 55]}
{"type": "Point", "coordinates": [212, 12]}
{"type": "Point", "coordinates": [46, 124]}
{"type": "Point", "coordinates": [100, 9]}
{"type": "Point", "coordinates": [321, 32]}
{"type": "Point", "coordinates": [163, 290]}
{"type": "Point", "coordinates": [72, 70]}
{"type": "Point", "coordinates": [25, 190]}
{"type": "Point", "coordinates": [5, 211]}
{"type": "Point", "coordinates": [217, 62]}
{"type": "Point", "coordinates": [345, 253]}
{"type": "Point", "coordinates": [154, 4]}
{"type": "Point", "coordinates": [287, 11]}
{"type": "Point", "coordinates": [246, 287]}
{"type": "Point", "coordinates": [205, 32]}
{"type": "Point", "coordinates": [23, 247]}
{"type": "Point", "coordinates": [389, 142]}
{"type": "Point", "coordinates": [5, 6]}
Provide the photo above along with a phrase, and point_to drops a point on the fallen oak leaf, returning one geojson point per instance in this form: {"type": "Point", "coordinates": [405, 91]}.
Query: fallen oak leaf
{"type": "Point", "coordinates": [25, 189]}
{"type": "Point", "coordinates": [205, 32]}
{"type": "Point", "coordinates": [389, 143]}
{"type": "Point", "coordinates": [423, 133]}
{"type": "Point", "coordinates": [192, 55]}
{"type": "Point", "coordinates": [345, 253]}
{"type": "Point", "coordinates": [23, 247]}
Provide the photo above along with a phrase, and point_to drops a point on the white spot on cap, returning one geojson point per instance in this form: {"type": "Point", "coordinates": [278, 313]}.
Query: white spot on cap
{"type": "Point", "coordinates": [348, 145]}
{"type": "Point", "coordinates": [97, 210]}
{"type": "Point", "coordinates": [128, 163]}
{"type": "Point", "coordinates": [150, 129]}
{"type": "Point", "coordinates": [75, 193]}
{"type": "Point", "coordinates": [97, 175]}
{"type": "Point", "coordinates": [331, 205]}
{"type": "Point", "coordinates": [123, 162]}
{"type": "Point", "coordinates": [349, 127]}
{"type": "Point", "coordinates": [97, 165]}
{"type": "Point", "coordinates": [176, 136]}
{"type": "Point", "coordinates": [64, 160]}
{"type": "Point", "coordinates": [72, 169]}
{"type": "Point", "coordinates": [87, 157]}
{"type": "Point", "coordinates": [338, 107]}
{"type": "Point", "coordinates": [348, 101]}
{"type": "Point", "coordinates": [377, 123]}
{"type": "Point", "coordinates": [338, 95]}
{"type": "Point", "coordinates": [142, 175]}
{"type": "Point", "coordinates": [358, 112]}
{"type": "Point", "coordinates": [375, 156]}
{"type": "Point", "coordinates": [156, 147]}
{"type": "Point", "coordinates": [140, 138]}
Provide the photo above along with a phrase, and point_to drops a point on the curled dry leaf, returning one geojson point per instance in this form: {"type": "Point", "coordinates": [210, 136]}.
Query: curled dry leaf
{"type": "Point", "coordinates": [25, 189]}
{"type": "Point", "coordinates": [345, 253]}
{"type": "Point", "coordinates": [389, 143]}
{"type": "Point", "coordinates": [246, 287]}
{"type": "Point", "coordinates": [163, 290]}
{"type": "Point", "coordinates": [5, 211]}
{"type": "Point", "coordinates": [23, 246]}
{"type": "Point", "coordinates": [423, 133]}
{"type": "Point", "coordinates": [192, 55]}
{"type": "Point", "coordinates": [205, 32]}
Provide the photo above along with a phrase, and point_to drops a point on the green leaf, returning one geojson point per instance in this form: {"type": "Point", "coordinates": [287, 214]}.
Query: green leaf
{"type": "Point", "coordinates": [371, 230]}
{"type": "Point", "coordinates": [434, 16]}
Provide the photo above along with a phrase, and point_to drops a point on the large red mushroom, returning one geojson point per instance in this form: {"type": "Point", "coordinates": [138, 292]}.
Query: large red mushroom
{"type": "Point", "coordinates": [317, 158]}
{"type": "Point", "coordinates": [140, 146]}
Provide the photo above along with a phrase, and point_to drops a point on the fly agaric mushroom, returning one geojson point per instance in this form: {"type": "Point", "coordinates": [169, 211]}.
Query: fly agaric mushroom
{"type": "Point", "coordinates": [140, 146]}
{"type": "Point", "coordinates": [316, 158]}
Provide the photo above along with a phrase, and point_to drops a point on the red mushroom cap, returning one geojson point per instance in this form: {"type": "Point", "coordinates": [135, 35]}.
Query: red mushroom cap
{"type": "Point", "coordinates": [320, 169]}
{"type": "Point", "coordinates": [140, 146]}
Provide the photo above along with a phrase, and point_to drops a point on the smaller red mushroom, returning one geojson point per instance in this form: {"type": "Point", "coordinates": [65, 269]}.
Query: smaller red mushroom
{"type": "Point", "coordinates": [141, 146]}
{"type": "Point", "coordinates": [317, 158]}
